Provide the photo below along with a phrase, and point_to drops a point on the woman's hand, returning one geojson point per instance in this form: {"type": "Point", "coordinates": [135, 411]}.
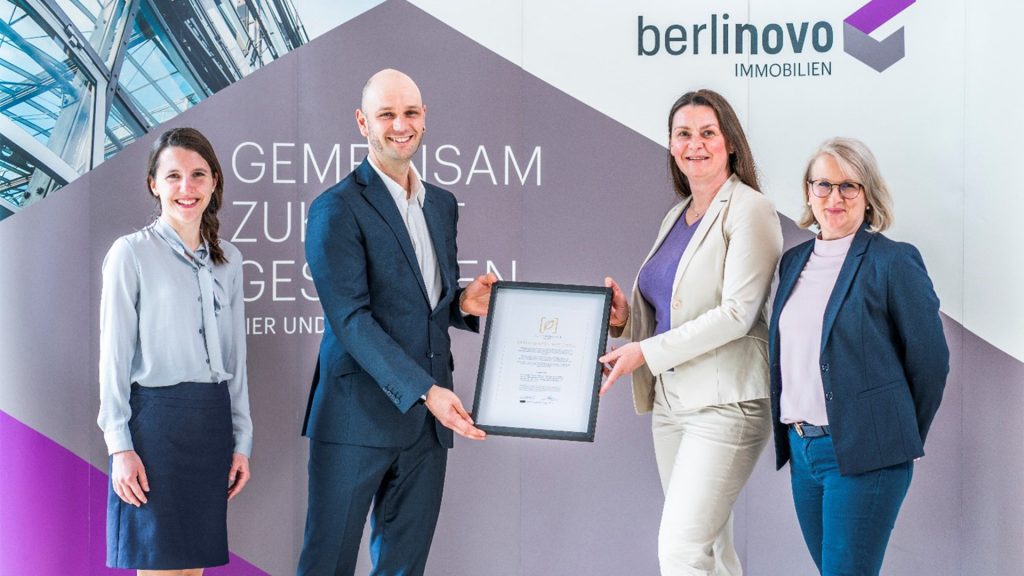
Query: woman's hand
{"type": "Point", "coordinates": [622, 360]}
{"type": "Point", "coordinates": [239, 475]}
{"type": "Point", "coordinates": [620, 306]}
{"type": "Point", "coordinates": [128, 478]}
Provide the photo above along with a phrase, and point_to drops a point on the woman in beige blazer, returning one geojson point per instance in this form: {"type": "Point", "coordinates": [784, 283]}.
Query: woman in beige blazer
{"type": "Point", "coordinates": [698, 334]}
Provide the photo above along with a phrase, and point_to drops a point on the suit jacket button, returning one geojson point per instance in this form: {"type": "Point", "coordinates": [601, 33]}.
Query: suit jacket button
{"type": "Point", "coordinates": [828, 396]}
{"type": "Point", "coordinates": [824, 367]}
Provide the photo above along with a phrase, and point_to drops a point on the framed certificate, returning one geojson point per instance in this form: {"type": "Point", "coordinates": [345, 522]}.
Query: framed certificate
{"type": "Point", "coordinates": [539, 373]}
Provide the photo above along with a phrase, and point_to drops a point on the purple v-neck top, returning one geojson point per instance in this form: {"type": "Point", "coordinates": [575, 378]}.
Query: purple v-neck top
{"type": "Point", "coordinates": [657, 277]}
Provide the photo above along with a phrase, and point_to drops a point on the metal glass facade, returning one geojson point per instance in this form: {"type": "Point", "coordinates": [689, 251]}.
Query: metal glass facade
{"type": "Point", "coordinates": [81, 79]}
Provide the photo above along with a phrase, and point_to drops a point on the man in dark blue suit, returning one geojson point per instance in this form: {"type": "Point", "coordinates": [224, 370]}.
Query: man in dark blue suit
{"type": "Point", "coordinates": [381, 247]}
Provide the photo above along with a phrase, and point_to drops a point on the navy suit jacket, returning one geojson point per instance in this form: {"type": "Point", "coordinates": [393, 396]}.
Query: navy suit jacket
{"type": "Point", "coordinates": [883, 357]}
{"type": "Point", "coordinates": [383, 346]}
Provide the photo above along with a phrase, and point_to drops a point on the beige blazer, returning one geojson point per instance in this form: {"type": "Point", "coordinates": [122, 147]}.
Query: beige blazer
{"type": "Point", "coordinates": [717, 349]}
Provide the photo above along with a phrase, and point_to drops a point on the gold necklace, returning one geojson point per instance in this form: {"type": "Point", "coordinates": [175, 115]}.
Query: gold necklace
{"type": "Point", "coordinates": [696, 215]}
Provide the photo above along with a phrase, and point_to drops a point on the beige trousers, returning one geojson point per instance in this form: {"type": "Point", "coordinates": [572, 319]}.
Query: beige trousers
{"type": "Point", "coordinates": [705, 456]}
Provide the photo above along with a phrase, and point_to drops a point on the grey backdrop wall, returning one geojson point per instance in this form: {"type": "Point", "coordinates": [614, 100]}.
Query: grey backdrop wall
{"type": "Point", "coordinates": [553, 191]}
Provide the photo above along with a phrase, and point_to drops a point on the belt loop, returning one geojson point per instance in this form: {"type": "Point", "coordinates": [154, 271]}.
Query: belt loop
{"type": "Point", "coordinates": [799, 429]}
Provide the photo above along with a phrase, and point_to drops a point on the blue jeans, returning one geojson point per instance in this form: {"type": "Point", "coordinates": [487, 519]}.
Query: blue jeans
{"type": "Point", "coordinates": [846, 520]}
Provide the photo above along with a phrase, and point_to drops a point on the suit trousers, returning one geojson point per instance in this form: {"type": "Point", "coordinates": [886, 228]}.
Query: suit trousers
{"type": "Point", "coordinates": [404, 485]}
{"type": "Point", "coordinates": [705, 456]}
{"type": "Point", "coordinates": [846, 520]}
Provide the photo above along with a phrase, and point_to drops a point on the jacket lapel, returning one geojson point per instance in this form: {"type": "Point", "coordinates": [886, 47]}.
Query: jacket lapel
{"type": "Point", "coordinates": [376, 193]}
{"type": "Point", "coordinates": [638, 306]}
{"type": "Point", "coordinates": [666, 226]}
{"type": "Point", "coordinates": [846, 275]}
{"type": "Point", "coordinates": [712, 213]}
{"type": "Point", "coordinates": [788, 282]}
{"type": "Point", "coordinates": [436, 226]}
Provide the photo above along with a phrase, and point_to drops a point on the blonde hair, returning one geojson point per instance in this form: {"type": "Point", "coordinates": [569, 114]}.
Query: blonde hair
{"type": "Point", "coordinates": [856, 161]}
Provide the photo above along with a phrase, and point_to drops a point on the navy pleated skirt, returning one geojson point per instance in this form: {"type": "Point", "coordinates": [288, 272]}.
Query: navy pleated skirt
{"type": "Point", "coordinates": [183, 435]}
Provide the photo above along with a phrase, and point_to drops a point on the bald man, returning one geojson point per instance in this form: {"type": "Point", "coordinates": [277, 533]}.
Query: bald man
{"type": "Point", "coordinates": [381, 249]}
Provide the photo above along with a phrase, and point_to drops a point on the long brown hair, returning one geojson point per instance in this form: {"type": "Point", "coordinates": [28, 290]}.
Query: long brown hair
{"type": "Point", "coordinates": [192, 139]}
{"type": "Point", "coordinates": [741, 161]}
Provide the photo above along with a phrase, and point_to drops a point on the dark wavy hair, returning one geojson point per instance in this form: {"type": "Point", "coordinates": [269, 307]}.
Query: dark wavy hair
{"type": "Point", "coordinates": [192, 139]}
{"type": "Point", "coordinates": [741, 161]}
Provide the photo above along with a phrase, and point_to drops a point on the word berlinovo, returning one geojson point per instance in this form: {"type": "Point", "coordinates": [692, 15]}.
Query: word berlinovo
{"type": "Point", "coordinates": [718, 36]}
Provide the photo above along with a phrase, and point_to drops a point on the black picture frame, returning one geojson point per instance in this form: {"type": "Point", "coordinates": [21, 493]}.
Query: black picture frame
{"type": "Point", "coordinates": [505, 403]}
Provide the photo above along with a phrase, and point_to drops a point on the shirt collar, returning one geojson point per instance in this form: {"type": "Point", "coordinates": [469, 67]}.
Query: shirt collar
{"type": "Point", "coordinates": [170, 235]}
{"type": "Point", "coordinates": [396, 190]}
{"type": "Point", "coordinates": [836, 247]}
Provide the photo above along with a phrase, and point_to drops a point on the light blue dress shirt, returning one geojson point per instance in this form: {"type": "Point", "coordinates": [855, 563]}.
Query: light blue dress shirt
{"type": "Point", "coordinates": [169, 315]}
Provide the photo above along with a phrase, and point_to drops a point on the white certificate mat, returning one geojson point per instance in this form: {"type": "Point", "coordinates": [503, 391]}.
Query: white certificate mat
{"type": "Point", "coordinates": [539, 373]}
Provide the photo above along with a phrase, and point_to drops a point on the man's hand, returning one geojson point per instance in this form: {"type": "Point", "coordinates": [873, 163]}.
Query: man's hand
{"type": "Point", "coordinates": [622, 360]}
{"type": "Point", "coordinates": [477, 296]}
{"type": "Point", "coordinates": [128, 477]}
{"type": "Point", "coordinates": [447, 408]}
{"type": "Point", "coordinates": [239, 474]}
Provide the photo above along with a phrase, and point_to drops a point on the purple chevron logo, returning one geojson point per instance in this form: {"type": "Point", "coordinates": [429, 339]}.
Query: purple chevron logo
{"type": "Point", "coordinates": [857, 42]}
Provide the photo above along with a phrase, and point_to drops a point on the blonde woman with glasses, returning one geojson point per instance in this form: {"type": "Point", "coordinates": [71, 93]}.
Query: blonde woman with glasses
{"type": "Point", "coordinates": [858, 363]}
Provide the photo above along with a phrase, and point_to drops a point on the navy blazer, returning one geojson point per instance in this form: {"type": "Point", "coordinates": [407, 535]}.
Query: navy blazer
{"type": "Point", "coordinates": [884, 358]}
{"type": "Point", "coordinates": [383, 346]}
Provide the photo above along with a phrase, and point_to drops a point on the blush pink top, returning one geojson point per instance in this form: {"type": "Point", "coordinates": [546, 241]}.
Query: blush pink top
{"type": "Point", "coordinates": [800, 325]}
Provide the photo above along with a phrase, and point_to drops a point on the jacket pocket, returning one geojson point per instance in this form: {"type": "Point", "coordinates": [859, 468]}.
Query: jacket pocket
{"type": "Point", "coordinates": [347, 365]}
{"type": "Point", "coordinates": [881, 389]}
{"type": "Point", "coordinates": [893, 420]}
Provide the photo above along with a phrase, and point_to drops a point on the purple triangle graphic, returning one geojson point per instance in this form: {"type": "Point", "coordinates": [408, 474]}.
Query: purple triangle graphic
{"type": "Point", "coordinates": [53, 510]}
{"type": "Point", "coordinates": [875, 13]}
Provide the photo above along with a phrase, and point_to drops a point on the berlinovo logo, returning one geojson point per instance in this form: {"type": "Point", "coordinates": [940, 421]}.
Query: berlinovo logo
{"type": "Point", "coordinates": [857, 27]}
{"type": "Point", "coordinates": [718, 36]}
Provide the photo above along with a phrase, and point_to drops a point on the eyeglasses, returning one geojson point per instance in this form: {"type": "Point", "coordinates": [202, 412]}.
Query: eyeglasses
{"type": "Point", "coordinates": [848, 190]}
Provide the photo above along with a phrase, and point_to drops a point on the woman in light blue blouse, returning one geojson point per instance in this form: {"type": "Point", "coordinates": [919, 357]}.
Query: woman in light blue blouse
{"type": "Point", "coordinates": [174, 404]}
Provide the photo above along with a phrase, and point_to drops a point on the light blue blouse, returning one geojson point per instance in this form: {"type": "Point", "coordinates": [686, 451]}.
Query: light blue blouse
{"type": "Point", "coordinates": [168, 315]}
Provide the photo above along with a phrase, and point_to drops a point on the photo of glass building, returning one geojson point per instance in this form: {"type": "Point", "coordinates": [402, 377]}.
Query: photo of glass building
{"type": "Point", "coordinates": [81, 79]}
